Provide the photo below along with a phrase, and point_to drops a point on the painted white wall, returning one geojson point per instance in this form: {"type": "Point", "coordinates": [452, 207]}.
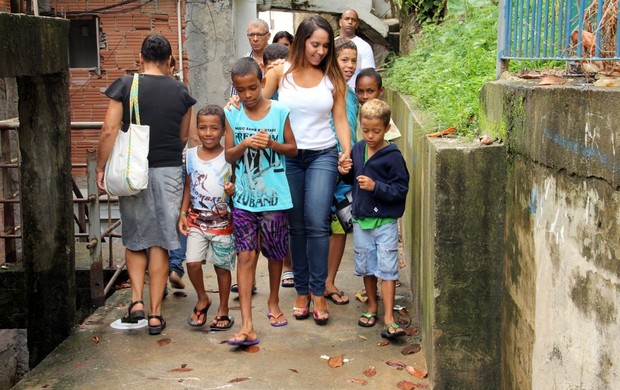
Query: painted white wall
{"type": "Point", "coordinates": [278, 21]}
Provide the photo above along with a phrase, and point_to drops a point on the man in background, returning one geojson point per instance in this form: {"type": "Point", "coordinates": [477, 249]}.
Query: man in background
{"type": "Point", "coordinates": [349, 22]}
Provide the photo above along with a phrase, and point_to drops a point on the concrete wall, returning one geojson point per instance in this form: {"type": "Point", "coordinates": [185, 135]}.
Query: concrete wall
{"type": "Point", "coordinates": [561, 295]}
{"type": "Point", "coordinates": [452, 234]}
{"type": "Point", "coordinates": [211, 49]}
{"type": "Point", "coordinates": [13, 356]}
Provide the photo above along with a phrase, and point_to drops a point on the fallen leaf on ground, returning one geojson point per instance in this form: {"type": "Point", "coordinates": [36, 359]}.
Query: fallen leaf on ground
{"type": "Point", "coordinates": [123, 285]}
{"type": "Point", "coordinates": [45, 386]}
{"type": "Point", "coordinates": [163, 342]}
{"type": "Point", "coordinates": [383, 343]}
{"type": "Point", "coordinates": [238, 380]}
{"type": "Point", "coordinates": [363, 338]}
{"type": "Point", "coordinates": [293, 370]}
{"type": "Point", "coordinates": [358, 381]}
{"type": "Point", "coordinates": [486, 140]}
{"type": "Point", "coordinates": [442, 133]}
{"type": "Point", "coordinates": [412, 331]}
{"type": "Point", "coordinates": [183, 368]}
{"type": "Point", "coordinates": [552, 80]}
{"type": "Point", "coordinates": [405, 385]}
{"type": "Point", "coordinates": [403, 321]}
{"type": "Point", "coordinates": [403, 311]}
{"type": "Point", "coordinates": [531, 75]}
{"type": "Point", "coordinates": [80, 365]}
{"type": "Point", "coordinates": [179, 294]}
{"type": "Point", "coordinates": [97, 321]}
{"type": "Point", "coordinates": [412, 348]}
{"type": "Point", "coordinates": [607, 82]}
{"type": "Point", "coordinates": [396, 363]}
{"type": "Point", "coordinates": [415, 372]}
{"type": "Point", "coordinates": [95, 339]}
{"type": "Point", "coordinates": [370, 371]}
{"type": "Point", "coordinates": [252, 349]}
{"type": "Point", "coordinates": [335, 361]}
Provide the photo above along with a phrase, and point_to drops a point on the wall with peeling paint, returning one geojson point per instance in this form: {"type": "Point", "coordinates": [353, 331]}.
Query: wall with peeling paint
{"type": "Point", "coordinates": [561, 299]}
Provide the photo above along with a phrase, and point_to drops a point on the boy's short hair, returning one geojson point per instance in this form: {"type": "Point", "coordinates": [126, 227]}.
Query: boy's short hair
{"type": "Point", "coordinates": [370, 72]}
{"type": "Point", "coordinates": [212, 109]}
{"type": "Point", "coordinates": [376, 109]}
{"type": "Point", "coordinates": [344, 43]}
{"type": "Point", "coordinates": [274, 51]}
{"type": "Point", "coordinates": [245, 66]}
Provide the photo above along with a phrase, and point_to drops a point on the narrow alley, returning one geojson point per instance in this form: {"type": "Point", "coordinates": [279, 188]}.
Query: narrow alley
{"type": "Point", "coordinates": [97, 356]}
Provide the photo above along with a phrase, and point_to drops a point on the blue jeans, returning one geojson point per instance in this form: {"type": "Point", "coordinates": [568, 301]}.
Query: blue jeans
{"type": "Point", "coordinates": [312, 179]}
{"type": "Point", "coordinates": [177, 256]}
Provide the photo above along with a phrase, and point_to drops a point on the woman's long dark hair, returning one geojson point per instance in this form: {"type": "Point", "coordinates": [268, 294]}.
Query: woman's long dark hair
{"type": "Point", "coordinates": [329, 65]}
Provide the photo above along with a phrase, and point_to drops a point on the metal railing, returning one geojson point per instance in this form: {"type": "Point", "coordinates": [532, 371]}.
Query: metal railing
{"type": "Point", "coordinates": [87, 219]}
{"type": "Point", "coordinates": [558, 30]}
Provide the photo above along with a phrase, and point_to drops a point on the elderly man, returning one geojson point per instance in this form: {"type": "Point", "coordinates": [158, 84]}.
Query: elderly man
{"type": "Point", "coordinates": [349, 22]}
{"type": "Point", "coordinates": [258, 36]}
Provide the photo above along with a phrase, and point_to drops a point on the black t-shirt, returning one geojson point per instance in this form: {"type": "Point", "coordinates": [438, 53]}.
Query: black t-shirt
{"type": "Point", "coordinates": [163, 101]}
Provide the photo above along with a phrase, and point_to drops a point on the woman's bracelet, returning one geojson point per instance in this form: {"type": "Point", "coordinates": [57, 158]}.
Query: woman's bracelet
{"type": "Point", "coordinates": [183, 213]}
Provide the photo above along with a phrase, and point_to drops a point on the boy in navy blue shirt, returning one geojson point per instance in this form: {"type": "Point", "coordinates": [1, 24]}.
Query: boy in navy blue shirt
{"type": "Point", "coordinates": [379, 192]}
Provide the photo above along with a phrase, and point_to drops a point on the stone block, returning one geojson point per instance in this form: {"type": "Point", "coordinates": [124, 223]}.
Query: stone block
{"type": "Point", "coordinates": [33, 45]}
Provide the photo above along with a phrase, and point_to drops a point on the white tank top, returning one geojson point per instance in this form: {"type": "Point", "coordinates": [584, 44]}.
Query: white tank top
{"type": "Point", "coordinates": [311, 110]}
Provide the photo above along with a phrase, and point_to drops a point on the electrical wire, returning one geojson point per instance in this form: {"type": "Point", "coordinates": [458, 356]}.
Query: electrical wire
{"type": "Point", "coordinates": [102, 10]}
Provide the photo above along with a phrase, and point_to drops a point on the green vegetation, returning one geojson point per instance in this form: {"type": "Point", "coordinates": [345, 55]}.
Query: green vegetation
{"type": "Point", "coordinates": [449, 65]}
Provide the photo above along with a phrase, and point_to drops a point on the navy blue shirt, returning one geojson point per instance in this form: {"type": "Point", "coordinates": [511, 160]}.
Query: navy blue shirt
{"type": "Point", "coordinates": [388, 169]}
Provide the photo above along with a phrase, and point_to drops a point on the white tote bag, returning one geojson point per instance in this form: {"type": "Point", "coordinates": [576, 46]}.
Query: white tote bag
{"type": "Point", "coordinates": [127, 169]}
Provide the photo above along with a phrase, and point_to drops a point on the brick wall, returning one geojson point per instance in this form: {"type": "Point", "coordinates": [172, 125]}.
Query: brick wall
{"type": "Point", "coordinates": [124, 32]}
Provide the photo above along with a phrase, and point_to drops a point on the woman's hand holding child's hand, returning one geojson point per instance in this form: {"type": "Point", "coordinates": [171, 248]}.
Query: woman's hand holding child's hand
{"type": "Point", "coordinates": [344, 164]}
{"type": "Point", "coordinates": [366, 183]}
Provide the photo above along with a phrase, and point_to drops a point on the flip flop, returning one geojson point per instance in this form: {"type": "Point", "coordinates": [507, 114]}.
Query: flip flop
{"type": "Point", "coordinates": [235, 288]}
{"type": "Point", "coordinates": [217, 319]}
{"type": "Point", "coordinates": [276, 324]}
{"type": "Point", "coordinates": [398, 331]}
{"type": "Point", "coordinates": [371, 320]}
{"type": "Point", "coordinates": [288, 279]}
{"type": "Point", "coordinates": [243, 343]}
{"type": "Point", "coordinates": [199, 312]}
{"type": "Point", "coordinates": [340, 295]}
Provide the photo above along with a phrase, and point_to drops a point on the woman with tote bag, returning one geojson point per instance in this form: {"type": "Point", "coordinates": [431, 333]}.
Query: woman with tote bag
{"type": "Point", "coordinates": [150, 216]}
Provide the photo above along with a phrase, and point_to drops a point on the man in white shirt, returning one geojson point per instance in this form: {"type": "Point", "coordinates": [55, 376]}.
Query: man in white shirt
{"type": "Point", "coordinates": [349, 22]}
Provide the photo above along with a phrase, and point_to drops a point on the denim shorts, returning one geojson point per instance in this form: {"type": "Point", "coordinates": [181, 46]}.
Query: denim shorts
{"type": "Point", "coordinates": [376, 251]}
{"type": "Point", "coordinates": [222, 253]}
{"type": "Point", "coordinates": [272, 226]}
{"type": "Point", "coordinates": [150, 217]}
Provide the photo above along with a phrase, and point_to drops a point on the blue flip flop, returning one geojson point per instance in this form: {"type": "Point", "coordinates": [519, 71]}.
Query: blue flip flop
{"type": "Point", "coordinates": [277, 324]}
{"type": "Point", "coordinates": [243, 343]}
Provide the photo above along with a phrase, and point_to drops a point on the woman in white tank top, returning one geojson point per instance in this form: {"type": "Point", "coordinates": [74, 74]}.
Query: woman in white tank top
{"type": "Point", "coordinates": [311, 84]}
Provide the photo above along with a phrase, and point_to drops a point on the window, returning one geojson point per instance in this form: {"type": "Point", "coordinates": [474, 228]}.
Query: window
{"type": "Point", "coordinates": [84, 43]}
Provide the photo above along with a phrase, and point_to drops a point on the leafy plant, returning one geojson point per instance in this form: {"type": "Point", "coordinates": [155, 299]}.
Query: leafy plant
{"type": "Point", "coordinates": [449, 65]}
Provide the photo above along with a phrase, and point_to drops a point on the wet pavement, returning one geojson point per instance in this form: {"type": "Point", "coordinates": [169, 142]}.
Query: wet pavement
{"type": "Point", "coordinates": [96, 356]}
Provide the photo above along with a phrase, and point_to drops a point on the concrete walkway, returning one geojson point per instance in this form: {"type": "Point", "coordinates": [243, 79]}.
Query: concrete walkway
{"type": "Point", "coordinates": [97, 356]}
